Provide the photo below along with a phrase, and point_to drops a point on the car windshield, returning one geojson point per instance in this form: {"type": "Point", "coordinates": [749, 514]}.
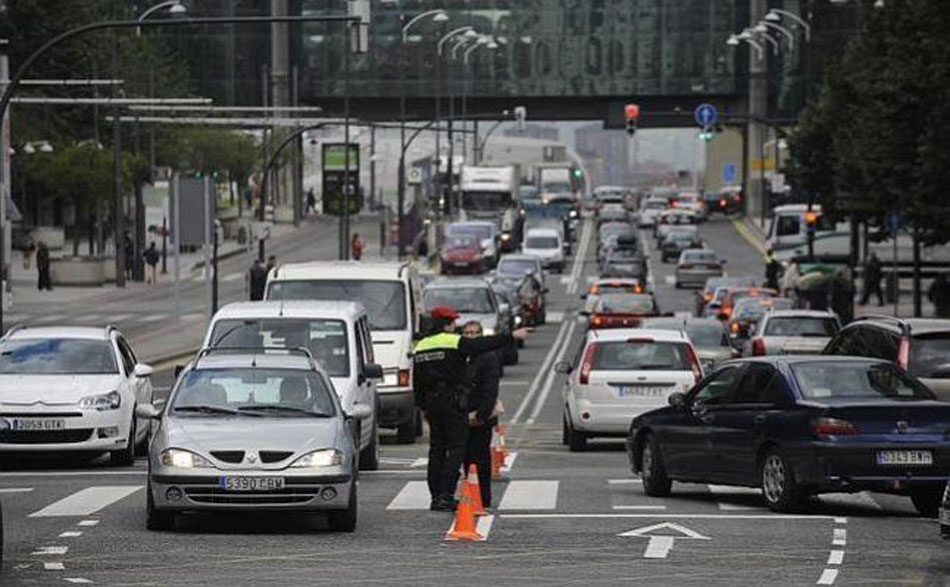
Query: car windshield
{"type": "Point", "coordinates": [801, 326]}
{"type": "Point", "coordinates": [537, 210]}
{"type": "Point", "coordinates": [480, 231]}
{"type": "Point", "coordinates": [385, 301]}
{"type": "Point", "coordinates": [930, 355]}
{"type": "Point", "coordinates": [516, 266]}
{"type": "Point", "coordinates": [623, 255]}
{"type": "Point", "coordinates": [701, 334]}
{"type": "Point", "coordinates": [837, 379]}
{"type": "Point", "coordinates": [557, 187]}
{"type": "Point", "coordinates": [699, 257]}
{"type": "Point", "coordinates": [325, 339]}
{"type": "Point", "coordinates": [485, 201]}
{"type": "Point", "coordinates": [251, 391]}
{"type": "Point", "coordinates": [57, 356]}
{"type": "Point", "coordinates": [633, 355]}
{"type": "Point", "coordinates": [541, 242]}
{"type": "Point", "coordinates": [655, 205]}
{"type": "Point", "coordinates": [528, 192]}
{"type": "Point", "coordinates": [625, 304]}
{"type": "Point", "coordinates": [461, 242]}
{"type": "Point", "coordinates": [467, 300]}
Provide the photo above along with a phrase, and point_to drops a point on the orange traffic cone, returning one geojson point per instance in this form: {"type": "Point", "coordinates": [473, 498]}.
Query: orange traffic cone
{"type": "Point", "coordinates": [475, 491]}
{"type": "Point", "coordinates": [464, 528]}
{"type": "Point", "coordinates": [499, 453]}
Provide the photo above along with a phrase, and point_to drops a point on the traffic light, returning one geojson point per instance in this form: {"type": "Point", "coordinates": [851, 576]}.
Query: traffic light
{"type": "Point", "coordinates": [811, 220]}
{"type": "Point", "coordinates": [578, 173]}
{"type": "Point", "coordinates": [521, 114]}
{"type": "Point", "coordinates": [631, 113]}
{"type": "Point", "coordinates": [706, 134]}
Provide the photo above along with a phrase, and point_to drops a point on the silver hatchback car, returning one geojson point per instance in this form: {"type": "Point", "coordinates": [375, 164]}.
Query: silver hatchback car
{"type": "Point", "coordinates": [262, 431]}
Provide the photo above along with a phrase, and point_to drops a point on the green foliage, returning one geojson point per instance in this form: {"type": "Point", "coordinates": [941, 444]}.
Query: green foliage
{"type": "Point", "coordinates": [213, 150]}
{"type": "Point", "coordinates": [879, 130]}
{"type": "Point", "coordinates": [81, 173]}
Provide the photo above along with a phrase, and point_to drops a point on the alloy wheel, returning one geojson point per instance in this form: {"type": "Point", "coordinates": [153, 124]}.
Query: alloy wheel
{"type": "Point", "coordinates": [773, 478]}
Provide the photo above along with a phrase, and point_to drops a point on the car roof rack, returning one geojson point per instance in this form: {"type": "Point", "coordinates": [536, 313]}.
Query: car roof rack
{"type": "Point", "coordinates": [900, 322]}
{"type": "Point", "coordinates": [256, 350]}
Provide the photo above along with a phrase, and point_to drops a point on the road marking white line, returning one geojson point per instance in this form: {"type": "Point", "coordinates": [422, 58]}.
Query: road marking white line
{"type": "Point", "coordinates": [828, 577]}
{"type": "Point", "coordinates": [88, 523]}
{"type": "Point", "coordinates": [153, 317]}
{"type": "Point", "coordinates": [670, 279]}
{"type": "Point", "coordinates": [565, 279]}
{"type": "Point", "coordinates": [69, 473]}
{"type": "Point", "coordinates": [514, 382]}
{"type": "Point", "coordinates": [530, 495]}
{"type": "Point", "coordinates": [549, 380]}
{"type": "Point", "coordinates": [86, 501]}
{"type": "Point", "coordinates": [639, 507]}
{"type": "Point", "coordinates": [835, 557]}
{"type": "Point", "coordinates": [414, 495]}
{"type": "Point", "coordinates": [840, 537]}
{"type": "Point", "coordinates": [120, 317]}
{"type": "Point", "coordinates": [420, 462]}
{"type": "Point", "coordinates": [862, 499]}
{"type": "Point", "coordinates": [509, 461]}
{"type": "Point", "coordinates": [50, 550]}
{"type": "Point", "coordinates": [16, 489]}
{"type": "Point", "coordinates": [536, 382]}
{"type": "Point", "coordinates": [658, 547]}
{"type": "Point", "coordinates": [54, 566]}
{"type": "Point", "coordinates": [396, 461]}
{"type": "Point", "coordinates": [816, 518]}
{"type": "Point", "coordinates": [70, 534]}
{"type": "Point", "coordinates": [624, 481]}
{"type": "Point", "coordinates": [394, 472]}
{"type": "Point", "coordinates": [232, 277]}
{"type": "Point", "coordinates": [841, 520]}
{"type": "Point", "coordinates": [579, 257]}
{"type": "Point", "coordinates": [78, 580]}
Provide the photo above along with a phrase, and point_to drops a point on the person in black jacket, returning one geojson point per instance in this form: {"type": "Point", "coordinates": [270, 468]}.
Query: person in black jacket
{"type": "Point", "coordinates": [442, 392]}
{"type": "Point", "coordinates": [483, 374]}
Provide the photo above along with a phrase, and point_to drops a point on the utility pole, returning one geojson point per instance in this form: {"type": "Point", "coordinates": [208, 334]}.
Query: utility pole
{"type": "Point", "coordinates": [4, 179]}
{"type": "Point", "coordinates": [280, 83]}
{"type": "Point", "coordinates": [757, 108]}
{"type": "Point", "coordinates": [119, 223]}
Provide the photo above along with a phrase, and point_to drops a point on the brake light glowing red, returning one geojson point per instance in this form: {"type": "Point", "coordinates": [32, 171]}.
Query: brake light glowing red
{"type": "Point", "coordinates": [723, 203]}
{"type": "Point", "coordinates": [588, 363]}
{"type": "Point", "coordinates": [758, 347]}
{"type": "Point", "coordinates": [903, 353]}
{"type": "Point", "coordinates": [833, 427]}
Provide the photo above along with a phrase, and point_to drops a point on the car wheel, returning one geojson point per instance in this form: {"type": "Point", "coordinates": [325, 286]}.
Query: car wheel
{"type": "Point", "coordinates": [576, 441]}
{"type": "Point", "coordinates": [155, 518]}
{"type": "Point", "coordinates": [779, 488]}
{"type": "Point", "coordinates": [652, 470]}
{"type": "Point", "coordinates": [369, 456]}
{"type": "Point", "coordinates": [927, 501]}
{"type": "Point", "coordinates": [406, 431]}
{"type": "Point", "coordinates": [126, 455]}
{"type": "Point", "coordinates": [344, 520]}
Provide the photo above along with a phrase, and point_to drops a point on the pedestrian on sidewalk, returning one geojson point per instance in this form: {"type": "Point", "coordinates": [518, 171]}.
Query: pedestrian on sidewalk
{"type": "Point", "coordinates": [271, 263]}
{"type": "Point", "coordinates": [483, 373]}
{"type": "Point", "coordinates": [939, 295]}
{"type": "Point", "coordinates": [42, 266]}
{"type": "Point", "coordinates": [872, 280]}
{"type": "Point", "coordinates": [256, 280]}
{"type": "Point", "coordinates": [129, 249]}
{"type": "Point", "coordinates": [151, 259]}
{"type": "Point", "coordinates": [773, 270]}
{"type": "Point", "coordinates": [357, 244]}
{"type": "Point", "coordinates": [311, 202]}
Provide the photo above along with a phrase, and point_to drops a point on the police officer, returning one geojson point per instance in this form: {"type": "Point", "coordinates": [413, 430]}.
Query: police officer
{"type": "Point", "coordinates": [442, 390]}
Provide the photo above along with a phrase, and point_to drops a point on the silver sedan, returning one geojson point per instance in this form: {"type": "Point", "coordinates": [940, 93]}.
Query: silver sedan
{"type": "Point", "coordinates": [695, 266]}
{"type": "Point", "coordinates": [252, 432]}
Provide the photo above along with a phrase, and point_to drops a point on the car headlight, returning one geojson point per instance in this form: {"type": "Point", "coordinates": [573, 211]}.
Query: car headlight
{"type": "Point", "coordinates": [327, 457]}
{"type": "Point", "coordinates": [102, 402]}
{"type": "Point", "coordinates": [184, 459]}
{"type": "Point", "coordinates": [573, 214]}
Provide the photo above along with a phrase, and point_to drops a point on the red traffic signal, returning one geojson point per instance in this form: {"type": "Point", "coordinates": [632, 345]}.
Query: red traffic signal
{"type": "Point", "coordinates": [631, 111]}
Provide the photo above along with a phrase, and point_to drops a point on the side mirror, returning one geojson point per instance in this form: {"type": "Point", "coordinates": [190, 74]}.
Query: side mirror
{"type": "Point", "coordinates": [359, 412]}
{"type": "Point", "coordinates": [563, 367]}
{"type": "Point", "coordinates": [504, 308]}
{"type": "Point", "coordinates": [372, 371]}
{"type": "Point", "coordinates": [178, 370]}
{"type": "Point", "coordinates": [677, 400]}
{"type": "Point", "coordinates": [147, 411]}
{"type": "Point", "coordinates": [583, 296]}
{"type": "Point", "coordinates": [143, 370]}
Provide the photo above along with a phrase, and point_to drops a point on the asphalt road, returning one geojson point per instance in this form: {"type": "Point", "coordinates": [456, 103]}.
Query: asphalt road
{"type": "Point", "coordinates": [560, 518]}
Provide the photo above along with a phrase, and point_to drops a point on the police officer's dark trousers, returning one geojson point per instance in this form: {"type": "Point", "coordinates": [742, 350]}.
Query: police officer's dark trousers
{"type": "Point", "coordinates": [448, 433]}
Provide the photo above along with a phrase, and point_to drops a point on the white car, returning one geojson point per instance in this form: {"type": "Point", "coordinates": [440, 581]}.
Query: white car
{"type": "Point", "coordinates": [336, 333]}
{"type": "Point", "coordinates": [622, 373]}
{"type": "Point", "coordinates": [72, 389]}
{"type": "Point", "coordinates": [793, 332]}
{"type": "Point", "coordinates": [650, 210]}
{"type": "Point", "coordinates": [545, 244]}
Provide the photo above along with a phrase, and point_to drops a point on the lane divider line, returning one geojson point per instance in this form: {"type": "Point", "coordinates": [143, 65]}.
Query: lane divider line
{"type": "Point", "coordinates": [580, 258]}
{"type": "Point", "coordinates": [70, 534]}
{"type": "Point", "coordinates": [54, 567]}
{"type": "Point", "coordinates": [839, 537]}
{"type": "Point", "coordinates": [536, 382]}
{"type": "Point", "coordinates": [549, 380]}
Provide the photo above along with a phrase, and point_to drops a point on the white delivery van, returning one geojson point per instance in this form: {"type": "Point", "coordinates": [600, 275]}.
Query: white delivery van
{"type": "Point", "coordinates": [336, 334]}
{"type": "Point", "coordinates": [392, 296]}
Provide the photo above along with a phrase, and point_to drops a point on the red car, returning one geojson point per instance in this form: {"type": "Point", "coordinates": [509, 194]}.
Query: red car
{"type": "Point", "coordinates": [622, 310]}
{"type": "Point", "coordinates": [462, 253]}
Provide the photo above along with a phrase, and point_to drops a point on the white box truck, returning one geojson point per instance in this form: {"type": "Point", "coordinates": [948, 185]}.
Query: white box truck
{"type": "Point", "coordinates": [490, 193]}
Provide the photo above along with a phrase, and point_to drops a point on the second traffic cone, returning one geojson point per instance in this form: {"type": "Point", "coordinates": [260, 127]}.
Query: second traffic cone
{"type": "Point", "coordinates": [465, 527]}
{"type": "Point", "coordinates": [475, 491]}
{"type": "Point", "coordinates": [499, 453]}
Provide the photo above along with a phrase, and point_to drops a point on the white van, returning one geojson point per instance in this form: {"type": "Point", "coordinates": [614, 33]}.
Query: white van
{"type": "Point", "coordinates": [547, 245]}
{"type": "Point", "coordinates": [336, 334]}
{"type": "Point", "coordinates": [788, 235]}
{"type": "Point", "coordinates": [392, 296]}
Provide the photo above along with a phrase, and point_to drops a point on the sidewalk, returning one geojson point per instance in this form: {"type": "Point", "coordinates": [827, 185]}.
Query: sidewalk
{"type": "Point", "coordinates": [753, 232]}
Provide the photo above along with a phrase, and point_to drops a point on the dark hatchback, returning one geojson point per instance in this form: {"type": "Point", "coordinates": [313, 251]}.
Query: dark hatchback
{"type": "Point", "coordinates": [799, 426]}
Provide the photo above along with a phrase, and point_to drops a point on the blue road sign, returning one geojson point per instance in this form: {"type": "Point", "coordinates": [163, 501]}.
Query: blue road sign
{"type": "Point", "coordinates": [706, 115]}
{"type": "Point", "coordinates": [729, 173]}
{"type": "Point", "coordinates": [894, 221]}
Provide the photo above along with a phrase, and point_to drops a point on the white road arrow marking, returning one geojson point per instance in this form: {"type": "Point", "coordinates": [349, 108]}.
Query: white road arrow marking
{"type": "Point", "coordinates": [661, 545]}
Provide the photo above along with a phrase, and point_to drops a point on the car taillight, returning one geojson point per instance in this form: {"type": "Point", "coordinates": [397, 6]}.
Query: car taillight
{"type": "Point", "coordinates": [588, 363]}
{"type": "Point", "coordinates": [726, 311]}
{"type": "Point", "coordinates": [723, 203]}
{"type": "Point", "coordinates": [833, 427]}
{"type": "Point", "coordinates": [734, 327]}
{"type": "Point", "coordinates": [903, 353]}
{"type": "Point", "coordinates": [597, 321]}
{"type": "Point", "coordinates": [686, 266]}
{"type": "Point", "coordinates": [694, 363]}
{"type": "Point", "coordinates": [758, 347]}
{"type": "Point", "coordinates": [637, 289]}
{"type": "Point", "coordinates": [403, 378]}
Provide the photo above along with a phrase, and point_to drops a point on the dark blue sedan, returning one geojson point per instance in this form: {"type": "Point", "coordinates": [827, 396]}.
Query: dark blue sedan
{"type": "Point", "coordinates": [799, 426]}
